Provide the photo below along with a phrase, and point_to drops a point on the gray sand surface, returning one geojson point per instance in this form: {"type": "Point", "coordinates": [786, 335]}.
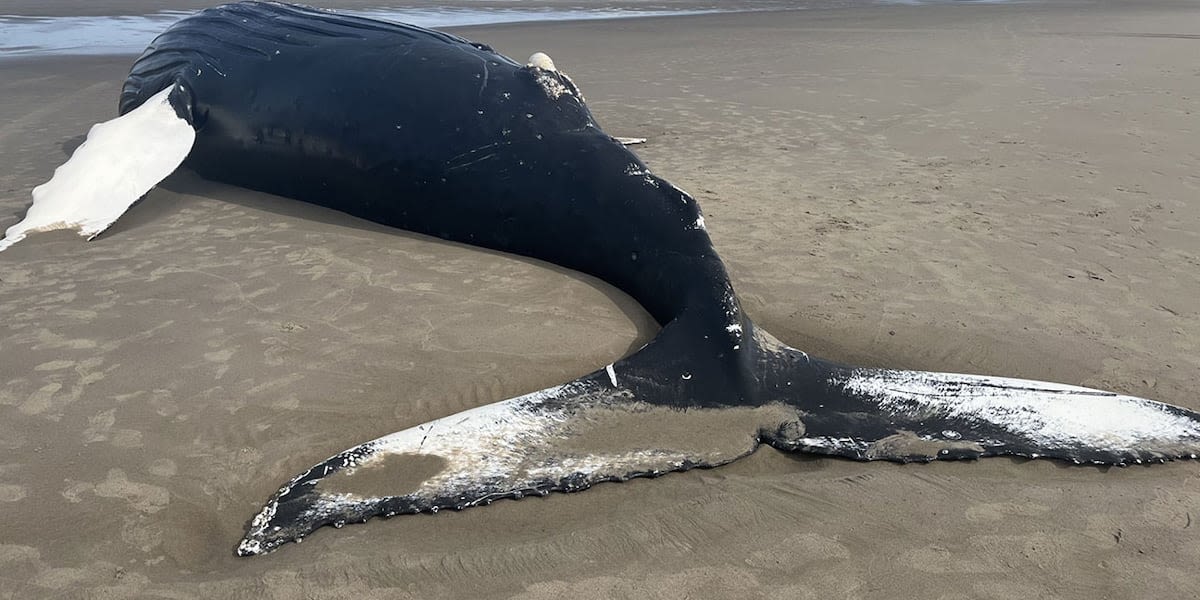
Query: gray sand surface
{"type": "Point", "coordinates": [1000, 189]}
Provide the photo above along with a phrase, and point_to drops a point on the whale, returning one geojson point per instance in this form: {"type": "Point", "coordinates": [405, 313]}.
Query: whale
{"type": "Point", "coordinates": [432, 133]}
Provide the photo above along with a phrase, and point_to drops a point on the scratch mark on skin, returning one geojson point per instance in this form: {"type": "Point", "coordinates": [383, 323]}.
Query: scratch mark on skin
{"type": "Point", "coordinates": [486, 75]}
{"type": "Point", "coordinates": [467, 164]}
{"type": "Point", "coordinates": [427, 432]}
{"type": "Point", "coordinates": [484, 83]}
{"type": "Point", "coordinates": [473, 151]}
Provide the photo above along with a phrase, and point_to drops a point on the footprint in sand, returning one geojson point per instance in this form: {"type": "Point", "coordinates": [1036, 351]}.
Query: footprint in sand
{"type": "Point", "coordinates": [12, 493]}
{"type": "Point", "coordinates": [143, 497]}
{"type": "Point", "coordinates": [100, 429]}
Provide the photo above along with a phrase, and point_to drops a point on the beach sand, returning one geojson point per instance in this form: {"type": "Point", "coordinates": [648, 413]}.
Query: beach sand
{"type": "Point", "coordinates": [1001, 189]}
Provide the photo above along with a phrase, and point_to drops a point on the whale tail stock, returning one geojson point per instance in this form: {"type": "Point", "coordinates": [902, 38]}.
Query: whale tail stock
{"type": "Point", "coordinates": [667, 408]}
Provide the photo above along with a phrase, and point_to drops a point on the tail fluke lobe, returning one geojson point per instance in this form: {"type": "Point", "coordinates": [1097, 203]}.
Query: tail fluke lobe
{"type": "Point", "coordinates": [120, 161]}
{"type": "Point", "coordinates": [884, 414]}
{"type": "Point", "coordinates": [563, 439]}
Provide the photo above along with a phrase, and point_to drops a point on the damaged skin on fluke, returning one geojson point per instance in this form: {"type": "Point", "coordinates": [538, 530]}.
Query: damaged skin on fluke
{"type": "Point", "coordinates": [429, 132]}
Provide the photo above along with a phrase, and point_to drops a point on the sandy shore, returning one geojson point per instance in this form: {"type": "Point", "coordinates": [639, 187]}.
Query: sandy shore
{"type": "Point", "coordinates": [1002, 189]}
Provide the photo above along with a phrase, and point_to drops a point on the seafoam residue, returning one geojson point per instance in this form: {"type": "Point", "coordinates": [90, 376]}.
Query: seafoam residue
{"type": "Point", "coordinates": [1049, 414]}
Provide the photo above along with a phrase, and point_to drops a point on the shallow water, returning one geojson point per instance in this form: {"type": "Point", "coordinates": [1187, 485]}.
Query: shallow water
{"type": "Point", "coordinates": [34, 36]}
{"type": "Point", "coordinates": [24, 36]}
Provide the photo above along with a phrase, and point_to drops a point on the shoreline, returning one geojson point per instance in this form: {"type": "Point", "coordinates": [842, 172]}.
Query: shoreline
{"type": "Point", "coordinates": [36, 8]}
{"type": "Point", "coordinates": [998, 189]}
{"type": "Point", "coordinates": [97, 35]}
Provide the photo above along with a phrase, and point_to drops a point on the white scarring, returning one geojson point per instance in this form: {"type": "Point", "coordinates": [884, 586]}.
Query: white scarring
{"type": "Point", "coordinates": [1050, 414]}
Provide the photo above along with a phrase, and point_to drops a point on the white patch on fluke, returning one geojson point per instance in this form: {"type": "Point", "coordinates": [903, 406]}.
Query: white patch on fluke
{"type": "Point", "coordinates": [833, 445]}
{"type": "Point", "coordinates": [120, 161]}
{"type": "Point", "coordinates": [483, 444]}
{"type": "Point", "coordinates": [612, 374]}
{"type": "Point", "coordinates": [1049, 414]}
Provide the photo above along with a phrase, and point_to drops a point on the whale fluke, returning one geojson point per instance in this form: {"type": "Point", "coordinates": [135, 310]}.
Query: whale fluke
{"type": "Point", "coordinates": [643, 417]}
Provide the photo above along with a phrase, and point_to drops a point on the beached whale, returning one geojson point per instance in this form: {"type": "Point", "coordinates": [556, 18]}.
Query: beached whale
{"type": "Point", "coordinates": [432, 133]}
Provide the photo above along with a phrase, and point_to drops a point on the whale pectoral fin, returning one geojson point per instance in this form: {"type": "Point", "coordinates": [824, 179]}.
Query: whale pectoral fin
{"type": "Point", "coordinates": [629, 141]}
{"type": "Point", "coordinates": [120, 161]}
{"type": "Point", "coordinates": [563, 439]}
{"type": "Point", "coordinates": [903, 416]}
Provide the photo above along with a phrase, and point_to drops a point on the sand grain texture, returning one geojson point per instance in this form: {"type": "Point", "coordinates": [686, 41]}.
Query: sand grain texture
{"type": "Point", "coordinates": [1001, 189]}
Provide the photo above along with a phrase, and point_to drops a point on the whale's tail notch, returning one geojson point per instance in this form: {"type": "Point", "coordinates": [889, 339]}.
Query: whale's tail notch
{"type": "Point", "coordinates": [120, 161]}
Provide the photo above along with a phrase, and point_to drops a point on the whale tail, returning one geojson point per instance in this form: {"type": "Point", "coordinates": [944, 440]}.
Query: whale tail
{"type": "Point", "coordinates": [120, 161]}
{"type": "Point", "coordinates": [660, 410]}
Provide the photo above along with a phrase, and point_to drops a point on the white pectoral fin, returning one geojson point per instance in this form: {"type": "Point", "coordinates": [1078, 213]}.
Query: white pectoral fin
{"type": "Point", "coordinates": [120, 161]}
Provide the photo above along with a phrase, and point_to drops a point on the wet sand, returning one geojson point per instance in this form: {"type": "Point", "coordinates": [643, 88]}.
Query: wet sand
{"type": "Point", "coordinates": [1001, 189]}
